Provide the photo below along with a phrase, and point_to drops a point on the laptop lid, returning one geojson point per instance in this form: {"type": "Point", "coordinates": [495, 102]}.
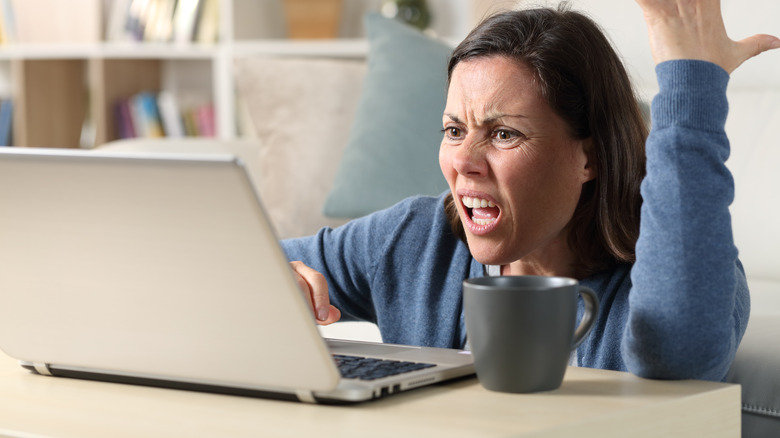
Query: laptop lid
{"type": "Point", "coordinates": [156, 267]}
{"type": "Point", "coordinates": [106, 256]}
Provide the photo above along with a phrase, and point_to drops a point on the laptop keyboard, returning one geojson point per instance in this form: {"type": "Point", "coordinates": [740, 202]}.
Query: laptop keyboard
{"type": "Point", "coordinates": [368, 368]}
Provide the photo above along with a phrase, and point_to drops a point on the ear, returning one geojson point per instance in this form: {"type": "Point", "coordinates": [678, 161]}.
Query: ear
{"type": "Point", "coordinates": [590, 169]}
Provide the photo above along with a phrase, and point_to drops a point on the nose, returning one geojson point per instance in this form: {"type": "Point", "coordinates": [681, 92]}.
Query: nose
{"type": "Point", "coordinates": [469, 158]}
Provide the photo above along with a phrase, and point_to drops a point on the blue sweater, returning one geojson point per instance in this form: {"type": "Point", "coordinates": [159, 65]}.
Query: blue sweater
{"type": "Point", "coordinates": [678, 312]}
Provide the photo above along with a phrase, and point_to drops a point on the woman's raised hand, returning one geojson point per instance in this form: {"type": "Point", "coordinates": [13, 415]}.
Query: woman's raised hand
{"type": "Point", "coordinates": [694, 29]}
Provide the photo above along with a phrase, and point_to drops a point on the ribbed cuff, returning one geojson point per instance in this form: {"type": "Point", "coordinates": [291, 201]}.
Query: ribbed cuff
{"type": "Point", "coordinates": [691, 94]}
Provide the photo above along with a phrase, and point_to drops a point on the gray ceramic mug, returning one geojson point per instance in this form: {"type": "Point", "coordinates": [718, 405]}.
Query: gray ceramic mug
{"type": "Point", "coordinates": [521, 329]}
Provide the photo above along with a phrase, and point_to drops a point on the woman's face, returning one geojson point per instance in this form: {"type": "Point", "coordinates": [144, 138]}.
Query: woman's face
{"type": "Point", "coordinates": [513, 168]}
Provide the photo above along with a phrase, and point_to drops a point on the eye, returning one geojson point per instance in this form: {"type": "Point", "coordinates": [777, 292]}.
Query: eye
{"type": "Point", "coordinates": [452, 132]}
{"type": "Point", "coordinates": [505, 136]}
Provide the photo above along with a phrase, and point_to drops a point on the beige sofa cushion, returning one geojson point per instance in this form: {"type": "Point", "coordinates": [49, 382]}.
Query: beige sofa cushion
{"type": "Point", "coordinates": [301, 111]}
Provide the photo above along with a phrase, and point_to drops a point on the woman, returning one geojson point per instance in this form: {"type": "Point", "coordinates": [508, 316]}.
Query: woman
{"type": "Point", "coordinates": [543, 149]}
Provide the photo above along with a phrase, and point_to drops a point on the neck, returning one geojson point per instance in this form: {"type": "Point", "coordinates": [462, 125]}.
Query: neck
{"type": "Point", "coordinates": [555, 260]}
{"type": "Point", "coordinates": [520, 268]}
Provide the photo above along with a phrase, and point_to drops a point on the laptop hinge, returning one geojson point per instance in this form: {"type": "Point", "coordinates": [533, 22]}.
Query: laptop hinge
{"type": "Point", "coordinates": [305, 396]}
{"type": "Point", "coordinates": [42, 368]}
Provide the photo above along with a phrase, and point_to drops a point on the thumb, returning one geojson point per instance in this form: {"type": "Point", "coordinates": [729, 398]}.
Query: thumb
{"type": "Point", "coordinates": [755, 45]}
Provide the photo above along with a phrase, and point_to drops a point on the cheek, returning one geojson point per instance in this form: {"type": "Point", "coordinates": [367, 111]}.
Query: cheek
{"type": "Point", "coordinates": [445, 163]}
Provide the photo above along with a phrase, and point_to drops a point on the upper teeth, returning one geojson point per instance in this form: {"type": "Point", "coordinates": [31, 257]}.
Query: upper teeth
{"type": "Point", "coordinates": [477, 202]}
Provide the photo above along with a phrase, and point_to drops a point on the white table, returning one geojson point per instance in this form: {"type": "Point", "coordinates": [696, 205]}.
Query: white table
{"type": "Point", "coordinates": [590, 403]}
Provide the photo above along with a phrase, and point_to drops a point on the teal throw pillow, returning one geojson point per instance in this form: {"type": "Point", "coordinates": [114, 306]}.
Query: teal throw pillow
{"type": "Point", "coordinates": [393, 147]}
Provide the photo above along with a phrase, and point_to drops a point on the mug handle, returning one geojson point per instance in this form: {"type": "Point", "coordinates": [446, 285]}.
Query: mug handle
{"type": "Point", "coordinates": [591, 313]}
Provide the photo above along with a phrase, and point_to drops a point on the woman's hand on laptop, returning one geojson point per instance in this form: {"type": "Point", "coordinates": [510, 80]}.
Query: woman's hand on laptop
{"type": "Point", "coordinates": [315, 288]}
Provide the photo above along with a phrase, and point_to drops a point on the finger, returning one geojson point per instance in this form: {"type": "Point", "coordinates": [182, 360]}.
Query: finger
{"type": "Point", "coordinates": [334, 315]}
{"type": "Point", "coordinates": [316, 288]}
{"type": "Point", "coordinates": [304, 287]}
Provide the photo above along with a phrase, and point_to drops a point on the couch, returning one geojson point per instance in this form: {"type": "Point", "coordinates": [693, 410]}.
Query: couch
{"type": "Point", "coordinates": [322, 157]}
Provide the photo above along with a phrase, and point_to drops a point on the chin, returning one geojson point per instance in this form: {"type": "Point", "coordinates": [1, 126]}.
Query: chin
{"type": "Point", "coordinates": [485, 252]}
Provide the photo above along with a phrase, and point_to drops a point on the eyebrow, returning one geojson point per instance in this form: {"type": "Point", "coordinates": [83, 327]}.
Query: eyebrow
{"type": "Point", "coordinates": [490, 119]}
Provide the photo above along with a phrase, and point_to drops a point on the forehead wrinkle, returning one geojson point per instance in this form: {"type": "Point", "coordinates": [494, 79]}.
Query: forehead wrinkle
{"type": "Point", "coordinates": [490, 100]}
{"type": "Point", "coordinates": [490, 117]}
{"type": "Point", "coordinates": [501, 105]}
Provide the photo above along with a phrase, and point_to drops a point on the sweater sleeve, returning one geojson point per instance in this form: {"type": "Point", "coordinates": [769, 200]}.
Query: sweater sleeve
{"type": "Point", "coordinates": [689, 303]}
{"type": "Point", "coordinates": [347, 257]}
{"type": "Point", "coordinates": [401, 268]}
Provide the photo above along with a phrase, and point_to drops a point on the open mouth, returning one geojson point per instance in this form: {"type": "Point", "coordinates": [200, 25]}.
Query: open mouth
{"type": "Point", "coordinates": [481, 211]}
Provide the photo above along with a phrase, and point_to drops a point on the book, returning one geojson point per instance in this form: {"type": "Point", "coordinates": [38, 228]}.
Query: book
{"type": "Point", "coordinates": [6, 119]}
{"type": "Point", "coordinates": [208, 22]}
{"type": "Point", "coordinates": [7, 22]}
{"type": "Point", "coordinates": [117, 23]}
{"type": "Point", "coordinates": [172, 123]}
{"type": "Point", "coordinates": [185, 20]}
{"type": "Point", "coordinates": [190, 125]}
{"type": "Point", "coordinates": [136, 19]}
{"type": "Point", "coordinates": [124, 119]}
{"type": "Point", "coordinates": [159, 20]}
{"type": "Point", "coordinates": [204, 120]}
{"type": "Point", "coordinates": [88, 137]}
{"type": "Point", "coordinates": [182, 21]}
{"type": "Point", "coordinates": [146, 115]}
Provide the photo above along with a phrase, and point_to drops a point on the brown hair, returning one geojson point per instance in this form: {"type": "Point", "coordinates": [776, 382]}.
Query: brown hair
{"type": "Point", "coordinates": [583, 79]}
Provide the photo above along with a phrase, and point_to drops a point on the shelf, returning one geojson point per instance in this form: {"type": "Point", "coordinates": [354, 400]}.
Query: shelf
{"type": "Point", "coordinates": [43, 71]}
{"type": "Point", "coordinates": [344, 48]}
{"type": "Point", "coordinates": [55, 84]}
{"type": "Point", "coordinates": [337, 48]}
{"type": "Point", "coordinates": [108, 51]}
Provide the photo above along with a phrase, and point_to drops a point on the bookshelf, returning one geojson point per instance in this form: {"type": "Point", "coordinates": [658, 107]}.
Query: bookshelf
{"type": "Point", "coordinates": [58, 77]}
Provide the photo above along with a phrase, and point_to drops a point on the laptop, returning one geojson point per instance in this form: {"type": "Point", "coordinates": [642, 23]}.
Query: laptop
{"type": "Point", "coordinates": [164, 270]}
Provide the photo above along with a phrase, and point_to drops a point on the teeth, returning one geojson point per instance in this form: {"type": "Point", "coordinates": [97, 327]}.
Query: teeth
{"type": "Point", "coordinates": [470, 202]}
{"type": "Point", "coordinates": [483, 221]}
